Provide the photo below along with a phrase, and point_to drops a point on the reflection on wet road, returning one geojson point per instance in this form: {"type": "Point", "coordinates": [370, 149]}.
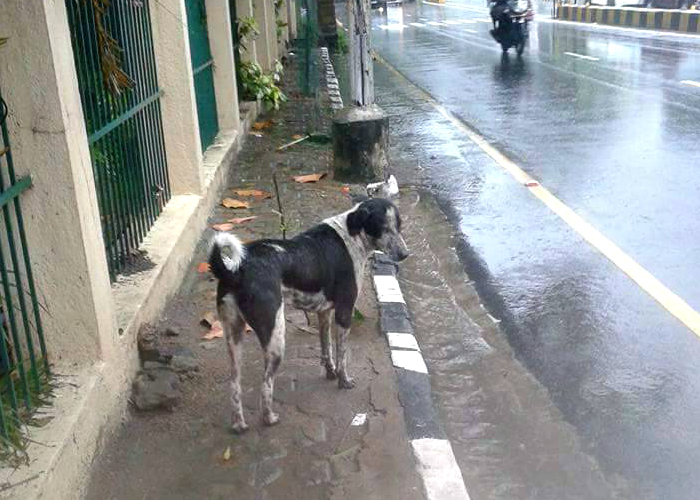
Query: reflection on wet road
{"type": "Point", "coordinates": [608, 121]}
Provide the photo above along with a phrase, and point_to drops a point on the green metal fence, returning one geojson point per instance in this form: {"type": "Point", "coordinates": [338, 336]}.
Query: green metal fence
{"type": "Point", "coordinates": [203, 71]}
{"type": "Point", "coordinates": [24, 366]}
{"type": "Point", "coordinates": [124, 129]}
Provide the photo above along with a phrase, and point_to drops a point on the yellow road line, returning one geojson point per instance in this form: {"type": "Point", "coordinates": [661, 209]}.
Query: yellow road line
{"type": "Point", "coordinates": [646, 281]}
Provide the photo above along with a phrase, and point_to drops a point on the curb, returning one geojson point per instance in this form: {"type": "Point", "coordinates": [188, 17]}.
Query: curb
{"type": "Point", "coordinates": [682, 21]}
{"type": "Point", "coordinates": [435, 461]}
{"type": "Point", "coordinates": [331, 81]}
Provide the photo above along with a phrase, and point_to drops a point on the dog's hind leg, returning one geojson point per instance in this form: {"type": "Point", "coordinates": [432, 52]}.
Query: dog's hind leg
{"type": "Point", "coordinates": [234, 327]}
{"type": "Point", "coordinates": [324, 333]}
{"type": "Point", "coordinates": [274, 353]}
{"type": "Point", "coordinates": [342, 319]}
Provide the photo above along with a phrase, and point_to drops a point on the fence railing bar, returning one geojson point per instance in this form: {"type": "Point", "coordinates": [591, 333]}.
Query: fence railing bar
{"type": "Point", "coordinates": [15, 190]}
{"type": "Point", "coordinates": [202, 67]}
{"type": "Point", "coordinates": [13, 326]}
{"type": "Point", "coordinates": [125, 116]}
{"type": "Point", "coordinates": [24, 313]}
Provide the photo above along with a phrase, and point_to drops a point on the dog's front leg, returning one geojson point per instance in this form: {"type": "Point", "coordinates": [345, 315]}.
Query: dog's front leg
{"type": "Point", "coordinates": [342, 319]}
{"type": "Point", "coordinates": [324, 333]}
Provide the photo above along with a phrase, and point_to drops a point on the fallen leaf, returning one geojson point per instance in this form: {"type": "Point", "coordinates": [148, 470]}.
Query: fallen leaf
{"type": "Point", "coordinates": [297, 136]}
{"type": "Point", "coordinates": [227, 454]}
{"type": "Point", "coordinates": [263, 125]}
{"type": "Point", "coordinates": [215, 332]}
{"type": "Point", "coordinates": [242, 220]}
{"type": "Point", "coordinates": [254, 192]}
{"type": "Point", "coordinates": [203, 267]}
{"type": "Point", "coordinates": [310, 177]}
{"type": "Point", "coordinates": [345, 189]}
{"type": "Point", "coordinates": [231, 203]}
{"type": "Point", "coordinates": [531, 184]}
{"type": "Point", "coordinates": [208, 319]}
{"type": "Point", "coordinates": [226, 226]}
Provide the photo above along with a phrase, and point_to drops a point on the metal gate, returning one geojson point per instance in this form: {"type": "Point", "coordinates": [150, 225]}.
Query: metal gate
{"type": "Point", "coordinates": [24, 365]}
{"type": "Point", "coordinates": [203, 71]}
{"type": "Point", "coordinates": [123, 122]}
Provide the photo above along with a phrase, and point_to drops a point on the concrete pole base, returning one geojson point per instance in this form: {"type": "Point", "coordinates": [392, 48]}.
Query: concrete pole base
{"type": "Point", "coordinates": [360, 144]}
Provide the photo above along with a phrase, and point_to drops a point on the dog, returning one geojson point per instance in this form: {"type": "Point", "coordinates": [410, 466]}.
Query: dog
{"type": "Point", "coordinates": [319, 270]}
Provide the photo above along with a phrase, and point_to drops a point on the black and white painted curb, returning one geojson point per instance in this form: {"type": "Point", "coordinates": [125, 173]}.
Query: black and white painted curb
{"type": "Point", "coordinates": [331, 80]}
{"type": "Point", "coordinates": [435, 461]}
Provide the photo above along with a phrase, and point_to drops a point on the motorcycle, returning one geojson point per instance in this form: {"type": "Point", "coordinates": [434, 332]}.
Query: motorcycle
{"type": "Point", "coordinates": [510, 23]}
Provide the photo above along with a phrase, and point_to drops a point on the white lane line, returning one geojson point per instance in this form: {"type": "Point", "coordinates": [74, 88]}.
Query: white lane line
{"type": "Point", "coordinates": [467, 21]}
{"type": "Point", "coordinates": [437, 466]}
{"type": "Point", "coordinates": [417, 25]}
{"type": "Point", "coordinates": [409, 360]}
{"type": "Point", "coordinates": [402, 341]}
{"type": "Point", "coordinates": [433, 23]}
{"type": "Point", "coordinates": [452, 23]}
{"type": "Point", "coordinates": [470, 31]}
{"type": "Point", "coordinates": [581, 56]}
{"type": "Point", "coordinates": [484, 21]}
{"type": "Point", "coordinates": [691, 83]}
{"type": "Point", "coordinates": [673, 303]}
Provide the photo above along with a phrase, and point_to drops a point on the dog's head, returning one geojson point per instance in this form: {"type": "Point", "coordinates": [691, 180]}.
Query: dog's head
{"type": "Point", "coordinates": [380, 221]}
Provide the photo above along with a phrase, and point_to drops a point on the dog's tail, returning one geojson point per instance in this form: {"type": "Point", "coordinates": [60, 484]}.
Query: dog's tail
{"type": "Point", "coordinates": [221, 264]}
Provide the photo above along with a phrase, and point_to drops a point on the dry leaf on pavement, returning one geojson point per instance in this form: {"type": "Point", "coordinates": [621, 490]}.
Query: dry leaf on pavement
{"type": "Point", "coordinates": [309, 177]}
{"type": "Point", "coordinates": [226, 226]}
{"type": "Point", "coordinates": [203, 267]}
{"type": "Point", "coordinates": [215, 332]}
{"type": "Point", "coordinates": [262, 125]}
{"type": "Point", "coordinates": [253, 192]}
{"type": "Point", "coordinates": [297, 136]}
{"type": "Point", "coordinates": [227, 454]}
{"type": "Point", "coordinates": [231, 203]}
{"type": "Point", "coordinates": [242, 220]}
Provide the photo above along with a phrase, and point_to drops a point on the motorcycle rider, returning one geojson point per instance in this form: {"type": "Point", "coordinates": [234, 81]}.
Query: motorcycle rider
{"type": "Point", "coordinates": [500, 20]}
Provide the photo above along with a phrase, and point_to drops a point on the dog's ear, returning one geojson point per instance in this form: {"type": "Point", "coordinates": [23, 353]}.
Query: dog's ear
{"type": "Point", "coordinates": [357, 220]}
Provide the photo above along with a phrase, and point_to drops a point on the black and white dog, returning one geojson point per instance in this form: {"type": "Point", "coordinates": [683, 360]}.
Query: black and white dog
{"type": "Point", "coordinates": [319, 271]}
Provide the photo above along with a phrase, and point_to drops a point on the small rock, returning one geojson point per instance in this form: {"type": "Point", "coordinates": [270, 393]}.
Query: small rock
{"type": "Point", "coordinates": [156, 389]}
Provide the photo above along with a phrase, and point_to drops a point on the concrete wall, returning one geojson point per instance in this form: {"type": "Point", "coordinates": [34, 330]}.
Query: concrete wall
{"type": "Point", "coordinates": [91, 324]}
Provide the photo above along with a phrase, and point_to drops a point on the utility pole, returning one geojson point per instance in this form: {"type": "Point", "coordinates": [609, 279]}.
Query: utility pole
{"type": "Point", "coordinates": [361, 130]}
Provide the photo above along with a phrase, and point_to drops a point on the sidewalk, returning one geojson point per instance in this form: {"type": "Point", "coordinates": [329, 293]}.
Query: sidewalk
{"type": "Point", "coordinates": [314, 452]}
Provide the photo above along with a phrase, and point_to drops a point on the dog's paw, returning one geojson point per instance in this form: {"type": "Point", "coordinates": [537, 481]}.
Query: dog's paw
{"type": "Point", "coordinates": [271, 418]}
{"type": "Point", "coordinates": [239, 427]}
{"type": "Point", "coordinates": [346, 382]}
{"type": "Point", "coordinates": [330, 373]}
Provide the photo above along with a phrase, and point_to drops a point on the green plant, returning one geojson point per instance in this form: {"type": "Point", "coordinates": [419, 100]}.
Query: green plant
{"type": "Point", "coordinates": [247, 30]}
{"type": "Point", "coordinates": [280, 28]}
{"type": "Point", "coordinates": [257, 84]}
{"type": "Point", "coordinates": [342, 43]}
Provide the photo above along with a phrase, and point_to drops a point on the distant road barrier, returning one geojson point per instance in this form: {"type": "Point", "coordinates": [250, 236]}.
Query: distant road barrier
{"type": "Point", "coordinates": [682, 21]}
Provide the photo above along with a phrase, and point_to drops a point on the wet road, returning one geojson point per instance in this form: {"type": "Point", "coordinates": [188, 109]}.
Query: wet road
{"type": "Point", "coordinates": [608, 121]}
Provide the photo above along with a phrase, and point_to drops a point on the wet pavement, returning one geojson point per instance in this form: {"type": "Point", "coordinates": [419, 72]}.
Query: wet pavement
{"type": "Point", "coordinates": [606, 397]}
{"type": "Point", "coordinates": [316, 451]}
